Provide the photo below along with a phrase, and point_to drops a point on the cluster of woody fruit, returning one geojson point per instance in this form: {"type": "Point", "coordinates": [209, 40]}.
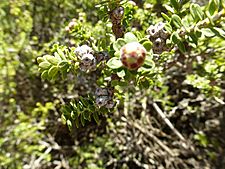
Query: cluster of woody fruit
{"type": "Point", "coordinates": [132, 55]}
{"type": "Point", "coordinates": [158, 35]}
{"type": "Point", "coordinates": [88, 60]}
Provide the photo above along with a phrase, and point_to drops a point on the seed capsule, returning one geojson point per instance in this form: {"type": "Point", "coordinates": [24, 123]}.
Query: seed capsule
{"type": "Point", "coordinates": [159, 43]}
{"type": "Point", "coordinates": [88, 59]}
{"type": "Point", "coordinates": [110, 104]}
{"type": "Point", "coordinates": [101, 92]}
{"type": "Point", "coordinates": [162, 31]}
{"type": "Point", "coordinates": [101, 56]}
{"type": "Point", "coordinates": [152, 31]}
{"type": "Point", "coordinates": [102, 100]}
{"type": "Point", "coordinates": [118, 13]}
{"type": "Point", "coordinates": [132, 55]}
{"type": "Point", "coordinates": [84, 49]}
{"type": "Point", "coordinates": [88, 68]}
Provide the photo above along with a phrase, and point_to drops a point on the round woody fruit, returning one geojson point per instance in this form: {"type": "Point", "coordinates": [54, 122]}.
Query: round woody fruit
{"type": "Point", "coordinates": [88, 59]}
{"type": "Point", "coordinates": [132, 55]}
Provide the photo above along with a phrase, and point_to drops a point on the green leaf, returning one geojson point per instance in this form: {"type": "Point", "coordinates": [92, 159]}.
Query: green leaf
{"type": "Point", "coordinates": [114, 82]}
{"type": "Point", "coordinates": [168, 8]}
{"type": "Point", "coordinates": [53, 71]}
{"type": "Point", "coordinates": [213, 7]}
{"type": "Point", "coordinates": [166, 17]}
{"type": "Point", "coordinates": [181, 47]}
{"type": "Point", "coordinates": [176, 20]}
{"type": "Point", "coordinates": [51, 59]}
{"type": "Point", "coordinates": [143, 82]}
{"type": "Point", "coordinates": [177, 40]}
{"type": "Point", "coordinates": [119, 83]}
{"type": "Point", "coordinates": [40, 59]}
{"type": "Point", "coordinates": [138, 34]}
{"type": "Point", "coordinates": [80, 107]}
{"type": "Point", "coordinates": [91, 107]}
{"type": "Point", "coordinates": [86, 115]}
{"type": "Point", "coordinates": [69, 124]}
{"type": "Point", "coordinates": [66, 110]}
{"type": "Point", "coordinates": [114, 63]}
{"type": "Point", "coordinates": [168, 28]}
{"type": "Point", "coordinates": [96, 118]}
{"type": "Point", "coordinates": [44, 74]}
{"type": "Point", "coordinates": [141, 41]}
{"type": "Point", "coordinates": [150, 64]}
{"type": "Point", "coordinates": [196, 12]}
{"type": "Point", "coordinates": [63, 65]}
{"type": "Point", "coordinates": [63, 119]}
{"type": "Point", "coordinates": [61, 54]}
{"type": "Point", "coordinates": [118, 44]}
{"type": "Point", "coordinates": [57, 56]}
{"type": "Point", "coordinates": [201, 137]}
{"type": "Point", "coordinates": [44, 65]}
{"type": "Point", "coordinates": [77, 122]}
{"type": "Point", "coordinates": [82, 120]}
{"type": "Point", "coordinates": [207, 32]}
{"type": "Point", "coordinates": [147, 45]}
{"type": "Point", "coordinates": [84, 101]}
{"type": "Point", "coordinates": [73, 115]}
{"type": "Point", "coordinates": [223, 3]}
{"type": "Point", "coordinates": [193, 38]}
{"type": "Point", "coordinates": [219, 32]}
{"type": "Point", "coordinates": [175, 4]}
{"type": "Point", "coordinates": [122, 83]}
{"type": "Point", "coordinates": [130, 37]}
{"type": "Point", "coordinates": [121, 73]}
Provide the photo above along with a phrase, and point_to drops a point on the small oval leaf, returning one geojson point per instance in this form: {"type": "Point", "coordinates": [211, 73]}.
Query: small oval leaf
{"type": "Point", "coordinates": [44, 65]}
{"type": "Point", "coordinates": [130, 37]}
{"type": "Point", "coordinates": [176, 20]}
{"type": "Point", "coordinates": [118, 44]}
{"type": "Point", "coordinates": [114, 63]}
{"type": "Point", "coordinates": [53, 71]}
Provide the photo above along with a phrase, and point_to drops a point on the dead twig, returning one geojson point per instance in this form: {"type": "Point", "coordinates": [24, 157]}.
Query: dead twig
{"type": "Point", "coordinates": [154, 138]}
{"type": "Point", "coordinates": [167, 121]}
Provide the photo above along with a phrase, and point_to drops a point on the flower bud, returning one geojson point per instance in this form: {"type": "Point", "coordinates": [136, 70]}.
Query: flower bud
{"type": "Point", "coordinates": [132, 55]}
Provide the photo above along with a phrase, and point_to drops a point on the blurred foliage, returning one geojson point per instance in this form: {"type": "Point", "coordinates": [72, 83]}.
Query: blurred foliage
{"type": "Point", "coordinates": [42, 88]}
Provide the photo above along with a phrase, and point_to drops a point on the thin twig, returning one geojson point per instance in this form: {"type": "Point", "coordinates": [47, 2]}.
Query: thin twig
{"type": "Point", "coordinates": [154, 138]}
{"type": "Point", "coordinates": [167, 121]}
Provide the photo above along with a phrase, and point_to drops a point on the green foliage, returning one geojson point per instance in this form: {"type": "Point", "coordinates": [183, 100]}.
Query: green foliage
{"type": "Point", "coordinates": [90, 154]}
{"type": "Point", "coordinates": [201, 137]}
{"type": "Point", "coordinates": [24, 135]}
{"type": "Point", "coordinates": [81, 111]}
{"type": "Point", "coordinates": [186, 32]}
{"type": "Point", "coordinates": [38, 40]}
{"type": "Point", "coordinates": [61, 63]}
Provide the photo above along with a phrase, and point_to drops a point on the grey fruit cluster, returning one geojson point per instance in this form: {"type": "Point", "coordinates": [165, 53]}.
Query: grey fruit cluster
{"type": "Point", "coordinates": [87, 59]}
{"type": "Point", "coordinates": [104, 97]}
{"type": "Point", "coordinates": [158, 35]}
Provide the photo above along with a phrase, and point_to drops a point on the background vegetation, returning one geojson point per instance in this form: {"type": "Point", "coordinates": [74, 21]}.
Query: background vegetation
{"type": "Point", "coordinates": [187, 84]}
